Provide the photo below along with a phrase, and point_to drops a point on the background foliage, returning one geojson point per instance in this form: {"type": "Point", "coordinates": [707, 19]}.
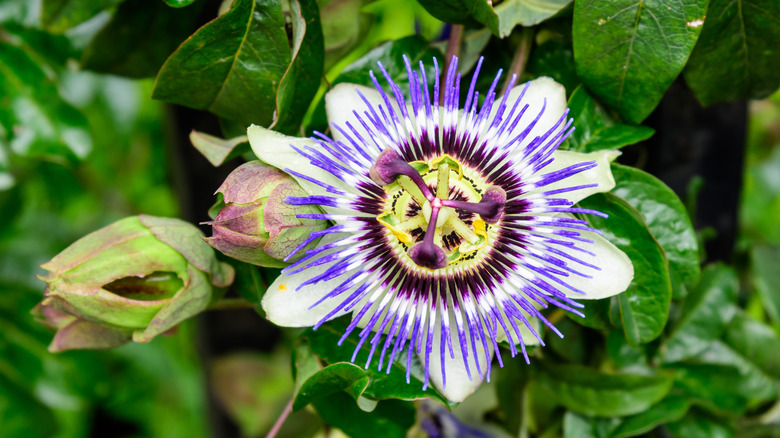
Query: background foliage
{"type": "Point", "coordinates": [97, 99]}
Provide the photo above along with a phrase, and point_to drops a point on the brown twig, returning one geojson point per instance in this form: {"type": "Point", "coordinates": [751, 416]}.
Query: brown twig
{"type": "Point", "coordinates": [520, 58]}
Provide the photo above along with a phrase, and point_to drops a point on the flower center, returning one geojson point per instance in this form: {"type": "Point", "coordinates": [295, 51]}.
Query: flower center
{"type": "Point", "coordinates": [438, 211]}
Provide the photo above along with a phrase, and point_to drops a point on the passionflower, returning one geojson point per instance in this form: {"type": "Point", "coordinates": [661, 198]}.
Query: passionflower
{"type": "Point", "coordinates": [452, 227]}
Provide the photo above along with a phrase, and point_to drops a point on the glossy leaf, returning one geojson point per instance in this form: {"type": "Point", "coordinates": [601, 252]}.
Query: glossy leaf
{"type": "Point", "coordinates": [328, 381]}
{"type": "Point", "coordinates": [501, 19]}
{"type": "Point", "coordinates": [667, 410]}
{"type": "Point", "coordinates": [343, 27]}
{"type": "Point", "coordinates": [737, 56]}
{"type": "Point", "coordinates": [139, 37]}
{"type": "Point", "coordinates": [218, 150]}
{"type": "Point", "coordinates": [595, 129]}
{"type": "Point", "coordinates": [381, 385]}
{"type": "Point", "coordinates": [232, 66]}
{"type": "Point", "coordinates": [766, 277]}
{"type": "Point", "coordinates": [391, 418]}
{"type": "Point", "coordinates": [581, 426]}
{"type": "Point", "coordinates": [554, 57]}
{"type": "Point", "coordinates": [58, 16]}
{"type": "Point", "coordinates": [725, 381]}
{"type": "Point", "coordinates": [756, 342]}
{"type": "Point", "coordinates": [705, 314]}
{"type": "Point", "coordinates": [696, 425]}
{"type": "Point", "coordinates": [628, 52]}
{"type": "Point", "coordinates": [22, 414]}
{"type": "Point", "coordinates": [590, 392]}
{"type": "Point", "coordinates": [302, 77]}
{"type": "Point", "coordinates": [667, 219]}
{"type": "Point", "coordinates": [38, 122]}
{"type": "Point", "coordinates": [644, 307]}
{"type": "Point", "coordinates": [178, 3]}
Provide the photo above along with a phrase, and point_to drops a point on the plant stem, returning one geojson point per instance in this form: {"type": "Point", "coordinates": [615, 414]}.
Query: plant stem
{"type": "Point", "coordinates": [280, 421]}
{"type": "Point", "coordinates": [520, 58]}
{"type": "Point", "coordinates": [453, 49]}
{"type": "Point", "coordinates": [231, 304]}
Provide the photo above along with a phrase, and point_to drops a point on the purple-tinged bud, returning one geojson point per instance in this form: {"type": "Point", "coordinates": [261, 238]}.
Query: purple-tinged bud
{"type": "Point", "coordinates": [255, 225]}
{"type": "Point", "coordinates": [132, 280]}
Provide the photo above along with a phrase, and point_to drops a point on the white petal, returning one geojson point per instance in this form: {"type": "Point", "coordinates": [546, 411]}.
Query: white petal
{"type": "Point", "coordinates": [601, 174]}
{"type": "Point", "coordinates": [615, 275]}
{"type": "Point", "coordinates": [528, 337]}
{"type": "Point", "coordinates": [458, 385]}
{"type": "Point", "coordinates": [341, 100]}
{"type": "Point", "coordinates": [274, 148]}
{"type": "Point", "coordinates": [538, 91]}
{"type": "Point", "coordinates": [288, 307]}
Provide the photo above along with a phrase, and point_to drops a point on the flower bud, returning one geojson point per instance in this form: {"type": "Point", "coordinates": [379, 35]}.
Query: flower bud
{"type": "Point", "coordinates": [255, 225]}
{"type": "Point", "coordinates": [133, 279]}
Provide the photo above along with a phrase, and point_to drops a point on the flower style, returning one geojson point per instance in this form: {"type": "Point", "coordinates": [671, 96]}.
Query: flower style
{"type": "Point", "coordinates": [453, 228]}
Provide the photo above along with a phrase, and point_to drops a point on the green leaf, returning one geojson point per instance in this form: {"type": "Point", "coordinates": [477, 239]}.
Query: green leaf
{"type": "Point", "coordinates": [328, 381]}
{"type": "Point", "coordinates": [595, 129]}
{"type": "Point", "coordinates": [590, 392]}
{"type": "Point", "coordinates": [705, 314]}
{"type": "Point", "coordinates": [324, 342]}
{"type": "Point", "coordinates": [38, 122]}
{"type": "Point", "coordinates": [232, 66]}
{"type": "Point", "coordinates": [555, 58]}
{"type": "Point", "coordinates": [667, 219]}
{"type": "Point", "coordinates": [766, 277]}
{"type": "Point", "coordinates": [626, 358]}
{"type": "Point", "coordinates": [580, 426]}
{"type": "Point", "coordinates": [390, 54]}
{"type": "Point", "coordinates": [725, 381]}
{"type": "Point", "coordinates": [178, 3]}
{"type": "Point", "coordinates": [391, 418]}
{"type": "Point", "coordinates": [57, 16]}
{"type": "Point", "coordinates": [628, 52]}
{"type": "Point", "coordinates": [501, 19]}
{"type": "Point", "coordinates": [695, 425]}
{"type": "Point", "coordinates": [22, 414]}
{"type": "Point", "coordinates": [139, 37]}
{"type": "Point", "coordinates": [756, 342]}
{"type": "Point", "coordinates": [218, 150]}
{"type": "Point", "coordinates": [644, 306]}
{"type": "Point", "coordinates": [302, 78]}
{"type": "Point", "coordinates": [344, 27]}
{"type": "Point", "coordinates": [667, 410]}
{"type": "Point", "coordinates": [737, 56]}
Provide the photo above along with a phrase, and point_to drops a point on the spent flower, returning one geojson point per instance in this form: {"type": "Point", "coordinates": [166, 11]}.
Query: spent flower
{"type": "Point", "coordinates": [132, 280]}
{"type": "Point", "coordinates": [453, 228]}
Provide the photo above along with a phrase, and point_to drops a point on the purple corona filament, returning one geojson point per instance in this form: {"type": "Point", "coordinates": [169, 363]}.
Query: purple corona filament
{"type": "Point", "coordinates": [448, 236]}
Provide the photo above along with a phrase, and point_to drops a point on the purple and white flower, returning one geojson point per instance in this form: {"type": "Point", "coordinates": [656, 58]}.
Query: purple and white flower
{"type": "Point", "coordinates": [452, 228]}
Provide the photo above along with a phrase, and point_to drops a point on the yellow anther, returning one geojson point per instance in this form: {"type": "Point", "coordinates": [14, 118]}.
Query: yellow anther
{"type": "Point", "coordinates": [389, 220]}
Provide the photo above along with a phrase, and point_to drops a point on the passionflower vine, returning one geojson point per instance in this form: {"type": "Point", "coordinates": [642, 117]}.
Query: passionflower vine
{"type": "Point", "coordinates": [452, 227]}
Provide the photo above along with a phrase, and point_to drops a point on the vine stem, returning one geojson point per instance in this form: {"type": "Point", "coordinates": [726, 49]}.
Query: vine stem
{"type": "Point", "coordinates": [520, 58]}
{"type": "Point", "coordinates": [453, 49]}
{"type": "Point", "coordinates": [280, 421]}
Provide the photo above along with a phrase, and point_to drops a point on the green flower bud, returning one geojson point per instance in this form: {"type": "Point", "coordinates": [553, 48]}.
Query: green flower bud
{"type": "Point", "coordinates": [255, 225]}
{"type": "Point", "coordinates": [135, 279]}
